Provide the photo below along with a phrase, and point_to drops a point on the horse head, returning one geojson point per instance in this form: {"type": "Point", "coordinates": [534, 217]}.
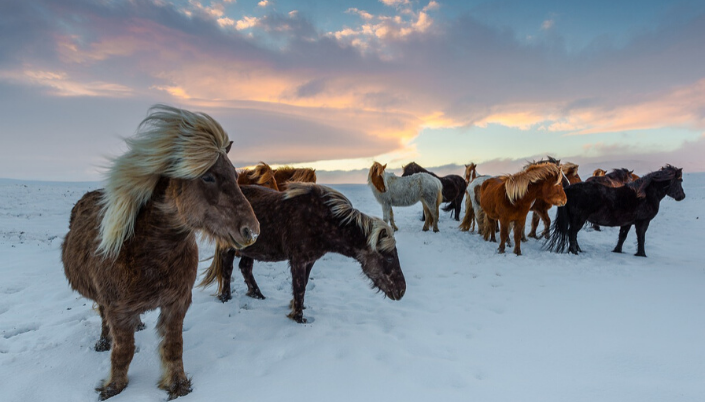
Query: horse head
{"type": "Point", "coordinates": [599, 172]}
{"type": "Point", "coordinates": [675, 189]}
{"type": "Point", "coordinates": [376, 176]}
{"type": "Point", "coordinates": [380, 262]}
{"type": "Point", "coordinates": [470, 172]}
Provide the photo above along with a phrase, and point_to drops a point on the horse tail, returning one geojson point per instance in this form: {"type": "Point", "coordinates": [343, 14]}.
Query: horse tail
{"type": "Point", "coordinates": [215, 270]}
{"type": "Point", "coordinates": [449, 206]}
{"type": "Point", "coordinates": [559, 231]}
{"type": "Point", "coordinates": [469, 215]}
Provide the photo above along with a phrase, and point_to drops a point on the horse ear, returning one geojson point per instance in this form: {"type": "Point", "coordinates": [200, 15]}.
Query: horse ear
{"type": "Point", "coordinates": [384, 167]}
{"type": "Point", "coordinates": [227, 149]}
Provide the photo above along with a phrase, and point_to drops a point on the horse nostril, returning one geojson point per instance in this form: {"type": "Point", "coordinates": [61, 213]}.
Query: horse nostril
{"type": "Point", "coordinates": [246, 233]}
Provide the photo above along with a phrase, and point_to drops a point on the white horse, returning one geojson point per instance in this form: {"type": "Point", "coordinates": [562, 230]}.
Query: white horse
{"type": "Point", "coordinates": [473, 211]}
{"type": "Point", "coordinates": [391, 190]}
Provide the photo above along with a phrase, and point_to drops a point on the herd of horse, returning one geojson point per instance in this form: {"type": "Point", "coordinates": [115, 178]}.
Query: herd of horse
{"type": "Point", "coordinates": [131, 247]}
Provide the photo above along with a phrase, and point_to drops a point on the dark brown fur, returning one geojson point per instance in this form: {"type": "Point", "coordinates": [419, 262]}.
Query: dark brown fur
{"type": "Point", "coordinates": [540, 207]}
{"type": "Point", "coordinates": [301, 229]}
{"type": "Point", "coordinates": [156, 267]}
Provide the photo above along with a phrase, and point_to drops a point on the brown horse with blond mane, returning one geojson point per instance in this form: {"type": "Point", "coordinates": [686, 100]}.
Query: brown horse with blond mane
{"type": "Point", "coordinates": [287, 174]}
{"type": "Point", "coordinates": [508, 199]}
{"type": "Point", "coordinates": [260, 175]}
{"type": "Point", "coordinates": [540, 207]}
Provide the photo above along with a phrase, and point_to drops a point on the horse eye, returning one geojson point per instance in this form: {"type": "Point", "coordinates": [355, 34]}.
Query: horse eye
{"type": "Point", "coordinates": [389, 260]}
{"type": "Point", "coordinates": [208, 178]}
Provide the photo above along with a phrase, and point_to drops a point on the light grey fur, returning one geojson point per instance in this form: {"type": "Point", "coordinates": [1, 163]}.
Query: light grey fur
{"type": "Point", "coordinates": [407, 191]}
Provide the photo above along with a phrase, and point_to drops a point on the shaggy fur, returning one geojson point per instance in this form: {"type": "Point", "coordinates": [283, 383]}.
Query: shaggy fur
{"type": "Point", "coordinates": [598, 173]}
{"type": "Point", "coordinates": [301, 225]}
{"type": "Point", "coordinates": [156, 262]}
{"type": "Point", "coordinates": [635, 204]}
{"type": "Point", "coordinates": [615, 178]}
{"type": "Point", "coordinates": [261, 175]}
{"type": "Point", "coordinates": [507, 199]}
{"type": "Point", "coordinates": [453, 187]}
{"type": "Point", "coordinates": [299, 175]}
{"type": "Point", "coordinates": [390, 190]}
{"type": "Point", "coordinates": [170, 142]}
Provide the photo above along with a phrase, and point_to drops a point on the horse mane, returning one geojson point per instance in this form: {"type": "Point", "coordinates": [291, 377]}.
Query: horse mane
{"type": "Point", "coordinates": [598, 173]}
{"type": "Point", "coordinates": [570, 169]}
{"type": "Point", "coordinates": [376, 177]}
{"type": "Point", "coordinates": [414, 167]}
{"type": "Point", "coordinates": [261, 174]}
{"type": "Point", "coordinates": [666, 173]}
{"type": "Point", "coordinates": [517, 185]}
{"type": "Point", "coordinates": [306, 175]}
{"type": "Point", "coordinates": [341, 207]}
{"type": "Point", "coordinates": [170, 142]}
{"type": "Point", "coordinates": [549, 159]}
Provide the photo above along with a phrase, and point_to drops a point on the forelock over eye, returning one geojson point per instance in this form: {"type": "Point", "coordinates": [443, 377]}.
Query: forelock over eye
{"type": "Point", "coordinates": [208, 178]}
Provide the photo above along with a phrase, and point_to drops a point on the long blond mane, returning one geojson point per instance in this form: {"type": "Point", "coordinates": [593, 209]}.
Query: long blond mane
{"type": "Point", "coordinates": [517, 185]}
{"type": "Point", "coordinates": [170, 142]}
{"type": "Point", "coordinates": [341, 207]}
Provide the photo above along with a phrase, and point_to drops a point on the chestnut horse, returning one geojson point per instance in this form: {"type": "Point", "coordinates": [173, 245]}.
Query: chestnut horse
{"type": "Point", "coordinates": [301, 225]}
{"type": "Point", "coordinates": [616, 178]}
{"type": "Point", "coordinates": [131, 247]}
{"type": "Point", "coordinates": [599, 172]}
{"type": "Point", "coordinates": [540, 207]}
{"type": "Point", "coordinates": [635, 203]}
{"type": "Point", "coordinates": [453, 187]}
{"type": "Point", "coordinates": [390, 190]}
{"type": "Point", "coordinates": [508, 199]}
{"type": "Point", "coordinates": [261, 175]}
{"type": "Point", "coordinates": [286, 174]}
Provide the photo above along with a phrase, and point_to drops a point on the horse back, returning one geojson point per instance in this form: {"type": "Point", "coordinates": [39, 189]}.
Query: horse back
{"type": "Point", "coordinates": [607, 206]}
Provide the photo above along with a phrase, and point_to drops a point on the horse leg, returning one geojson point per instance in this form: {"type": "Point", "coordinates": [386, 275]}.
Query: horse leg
{"type": "Point", "coordinates": [503, 235]}
{"type": "Point", "coordinates": [546, 220]}
{"type": "Point", "coordinates": [103, 343]}
{"type": "Point", "coordinates": [245, 266]}
{"type": "Point", "coordinates": [227, 257]}
{"type": "Point", "coordinates": [427, 215]}
{"type": "Point", "coordinates": [575, 225]}
{"type": "Point", "coordinates": [534, 225]}
{"type": "Point", "coordinates": [623, 231]}
{"type": "Point", "coordinates": [509, 230]}
{"type": "Point", "coordinates": [391, 219]}
{"type": "Point", "coordinates": [170, 326]}
{"type": "Point", "coordinates": [298, 284]}
{"type": "Point", "coordinates": [641, 227]}
{"type": "Point", "coordinates": [458, 205]}
{"type": "Point", "coordinates": [492, 227]}
{"type": "Point", "coordinates": [436, 214]}
{"type": "Point", "coordinates": [518, 233]}
{"type": "Point", "coordinates": [122, 331]}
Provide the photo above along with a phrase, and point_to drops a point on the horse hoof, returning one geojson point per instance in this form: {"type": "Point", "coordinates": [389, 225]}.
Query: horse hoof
{"type": "Point", "coordinates": [532, 235]}
{"type": "Point", "coordinates": [255, 294]}
{"type": "Point", "coordinates": [298, 317]}
{"type": "Point", "coordinates": [110, 390]}
{"type": "Point", "coordinates": [435, 230]}
{"type": "Point", "coordinates": [179, 388]}
{"type": "Point", "coordinates": [640, 255]}
{"type": "Point", "coordinates": [103, 345]}
{"type": "Point", "coordinates": [224, 298]}
{"type": "Point", "coordinates": [617, 251]}
{"type": "Point", "coordinates": [425, 229]}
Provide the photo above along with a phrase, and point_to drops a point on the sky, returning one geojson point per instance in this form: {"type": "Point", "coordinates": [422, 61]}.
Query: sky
{"type": "Point", "coordinates": [336, 85]}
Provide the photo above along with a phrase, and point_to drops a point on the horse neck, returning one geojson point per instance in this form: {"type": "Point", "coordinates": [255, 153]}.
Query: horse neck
{"type": "Point", "coordinates": [159, 218]}
{"type": "Point", "coordinates": [657, 190]}
{"type": "Point", "coordinates": [348, 240]}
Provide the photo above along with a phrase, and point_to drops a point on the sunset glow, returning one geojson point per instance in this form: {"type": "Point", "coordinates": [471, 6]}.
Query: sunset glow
{"type": "Point", "coordinates": [336, 86]}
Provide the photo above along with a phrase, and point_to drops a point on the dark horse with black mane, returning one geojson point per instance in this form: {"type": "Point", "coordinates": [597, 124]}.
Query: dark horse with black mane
{"type": "Point", "coordinates": [635, 203]}
{"type": "Point", "coordinates": [453, 187]}
{"type": "Point", "coordinates": [615, 178]}
{"type": "Point", "coordinates": [301, 225]}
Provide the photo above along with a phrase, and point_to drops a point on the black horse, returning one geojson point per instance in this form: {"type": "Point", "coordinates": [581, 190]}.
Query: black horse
{"type": "Point", "coordinates": [635, 203]}
{"type": "Point", "coordinates": [453, 188]}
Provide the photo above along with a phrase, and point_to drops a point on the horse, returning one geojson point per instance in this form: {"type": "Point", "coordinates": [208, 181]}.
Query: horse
{"type": "Point", "coordinates": [302, 224]}
{"type": "Point", "coordinates": [453, 187]}
{"type": "Point", "coordinates": [261, 175]}
{"type": "Point", "coordinates": [540, 207]}
{"type": "Point", "coordinates": [635, 203]}
{"type": "Point", "coordinates": [131, 247]}
{"type": "Point", "coordinates": [616, 178]}
{"type": "Point", "coordinates": [508, 199]}
{"type": "Point", "coordinates": [470, 172]}
{"type": "Point", "coordinates": [473, 211]}
{"type": "Point", "coordinates": [599, 172]}
{"type": "Point", "coordinates": [286, 174]}
{"type": "Point", "coordinates": [390, 190]}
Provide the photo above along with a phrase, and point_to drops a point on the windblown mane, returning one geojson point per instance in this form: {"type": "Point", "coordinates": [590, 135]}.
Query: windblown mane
{"type": "Point", "coordinates": [342, 208]}
{"type": "Point", "coordinates": [622, 174]}
{"type": "Point", "coordinates": [549, 159]}
{"type": "Point", "coordinates": [261, 174]}
{"type": "Point", "coordinates": [666, 173]}
{"type": "Point", "coordinates": [517, 185]}
{"type": "Point", "coordinates": [569, 169]}
{"type": "Point", "coordinates": [305, 175]}
{"type": "Point", "coordinates": [170, 142]}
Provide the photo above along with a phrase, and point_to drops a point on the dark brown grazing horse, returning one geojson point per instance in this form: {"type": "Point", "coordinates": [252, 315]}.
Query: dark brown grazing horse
{"type": "Point", "coordinates": [261, 175]}
{"type": "Point", "coordinates": [508, 198]}
{"type": "Point", "coordinates": [453, 187]}
{"type": "Point", "coordinates": [540, 207]}
{"type": "Point", "coordinates": [615, 178]}
{"type": "Point", "coordinates": [301, 225]}
{"type": "Point", "coordinates": [286, 174]}
{"type": "Point", "coordinates": [132, 246]}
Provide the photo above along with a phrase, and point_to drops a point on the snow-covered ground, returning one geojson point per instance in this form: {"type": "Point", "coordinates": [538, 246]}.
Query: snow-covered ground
{"type": "Point", "coordinates": [473, 325]}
